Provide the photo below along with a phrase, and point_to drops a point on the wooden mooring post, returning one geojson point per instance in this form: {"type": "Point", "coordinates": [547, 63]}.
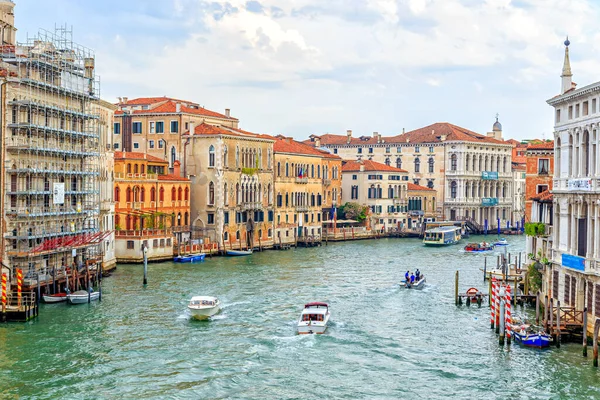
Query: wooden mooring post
{"type": "Point", "coordinates": [596, 328]}
{"type": "Point", "coordinates": [551, 317]}
{"type": "Point", "coordinates": [484, 268]}
{"type": "Point", "coordinates": [585, 331]}
{"type": "Point", "coordinates": [537, 308]}
{"type": "Point", "coordinates": [558, 323]}
{"type": "Point", "coordinates": [457, 299]}
{"type": "Point", "coordinates": [502, 318]}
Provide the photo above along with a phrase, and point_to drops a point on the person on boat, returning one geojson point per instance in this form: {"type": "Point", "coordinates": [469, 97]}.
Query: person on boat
{"type": "Point", "coordinates": [406, 276]}
{"type": "Point", "coordinates": [412, 278]}
{"type": "Point", "coordinates": [418, 274]}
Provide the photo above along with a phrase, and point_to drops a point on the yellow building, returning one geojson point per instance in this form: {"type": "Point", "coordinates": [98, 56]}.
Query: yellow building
{"type": "Point", "coordinates": [154, 125]}
{"type": "Point", "coordinates": [152, 207]}
{"type": "Point", "coordinates": [307, 186]}
{"type": "Point", "coordinates": [231, 171]}
{"type": "Point", "coordinates": [421, 204]}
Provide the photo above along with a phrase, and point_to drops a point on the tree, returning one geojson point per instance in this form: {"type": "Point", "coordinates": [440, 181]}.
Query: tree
{"type": "Point", "coordinates": [353, 211]}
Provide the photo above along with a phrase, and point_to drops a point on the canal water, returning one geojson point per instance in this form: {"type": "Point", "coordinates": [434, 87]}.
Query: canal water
{"type": "Point", "coordinates": [384, 341]}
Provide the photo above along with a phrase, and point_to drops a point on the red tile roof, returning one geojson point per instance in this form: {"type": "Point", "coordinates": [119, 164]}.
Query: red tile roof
{"type": "Point", "coordinates": [549, 145]}
{"type": "Point", "coordinates": [519, 166]}
{"type": "Point", "coordinates": [412, 186]}
{"type": "Point", "coordinates": [169, 106]}
{"type": "Point", "coordinates": [353, 165]}
{"type": "Point", "coordinates": [142, 101]}
{"type": "Point", "coordinates": [207, 129]}
{"type": "Point", "coordinates": [172, 177]}
{"type": "Point", "coordinates": [332, 139]}
{"type": "Point", "coordinates": [433, 134]}
{"type": "Point", "coordinates": [289, 145]}
{"type": "Point", "coordinates": [132, 155]}
{"type": "Point", "coordinates": [543, 197]}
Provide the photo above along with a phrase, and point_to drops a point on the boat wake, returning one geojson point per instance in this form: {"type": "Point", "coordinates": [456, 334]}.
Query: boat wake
{"type": "Point", "coordinates": [237, 303]}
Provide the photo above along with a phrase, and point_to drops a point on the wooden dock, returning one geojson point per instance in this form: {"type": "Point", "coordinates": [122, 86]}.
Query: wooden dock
{"type": "Point", "coordinates": [20, 310]}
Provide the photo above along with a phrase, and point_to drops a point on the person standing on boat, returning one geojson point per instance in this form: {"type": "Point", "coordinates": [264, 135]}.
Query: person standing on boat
{"type": "Point", "coordinates": [412, 278]}
{"type": "Point", "coordinates": [406, 276]}
{"type": "Point", "coordinates": [418, 274]}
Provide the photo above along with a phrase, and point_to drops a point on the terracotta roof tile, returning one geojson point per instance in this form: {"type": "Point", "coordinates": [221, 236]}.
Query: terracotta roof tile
{"type": "Point", "coordinates": [133, 155]}
{"type": "Point", "coordinates": [433, 134]}
{"type": "Point", "coordinates": [353, 165]}
{"type": "Point", "coordinates": [288, 145]}
{"type": "Point", "coordinates": [170, 107]}
{"type": "Point", "coordinates": [331, 139]}
{"type": "Point", "coordinates": [519, 166]}
{"type": "Point", "coordinates": [207, 129]}
{"type": "Point", "coordinates": [541, 145]}
{"type": "Point", "coordinates": [543, 197]}
{"type": "Point", "coordinates": [412, 186]}
{"type": "Point", "coordinates": [172, 177]}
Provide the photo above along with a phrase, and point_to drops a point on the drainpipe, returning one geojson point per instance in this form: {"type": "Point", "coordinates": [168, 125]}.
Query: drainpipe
{"type": "Point", "coordinates": [185, 157]}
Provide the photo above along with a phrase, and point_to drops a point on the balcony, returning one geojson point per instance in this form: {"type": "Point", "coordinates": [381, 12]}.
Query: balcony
{"type": "Point", "coordinates": [580, 185]}
{"type": "Point", "coordinates": [489, 175]}
{"type": "Point", "coordinates": [301, 180]}
{"type": "Point", "coordinates": [489, 201]}
{"type": "Point", "coordinates": [257, 205]}
{"type": "Point", "coordinates": [302, 208]}
{"type": "Point", "coordinates": [326, 182]}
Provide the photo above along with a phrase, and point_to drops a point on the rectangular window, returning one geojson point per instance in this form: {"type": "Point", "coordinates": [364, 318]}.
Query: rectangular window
{"type": "Point", "coordinates": [186, 126]}
{"type": "Point", "coordinates": [557, 116]}
{"type": "Point", "coordinates": [576, 110]}
{"type": "Point", "coordinates": [354, 177]}
{"type": "Point", "coordinates": [152, 127]}
{"type": "Point", "coordinates": [226, 217]}
{"type": "Point", "coordinates": [388, 150]}
{"type": "Point", "coordinates": [130, 244]}
{"type": "Point", "coordinates": [211, 218]}
{"type": "Point", "coordinates": [593, 106]}
{"type": "Point", "coordinates": [543, 166]}
{"type": "Point", "coordinates": [136, 145]}
{"type": "Point", "coordinates": [370, 150]}
{"type": "Point", "coordinates": [174, 126]}
{"type": "Point", "coordinates": [117, 128]}
{"type": "Point", "coordinates": [116, 145]}
{"type": "Point", "coordinates": [334, 151]}
{"type": "Point", "coordinates": [136, 128]}
{"type": "Point", "coordinates": [168, 242]}
{"type": "Point", "coordinates": [155, 243]}
{"type": "Point", "coordinates": [271, 216]}
{"type": "Point", "coordinates": [151, 144]}
{"type": "Point", "coordinates": [585, 108]}
{"type": "Point", "coordinates": [162, 242]}
{"type": "Point", "coordinates": [160, 127]}
{"type": "Point", "coordinates": [161, 144]}
{"type": "Point", "coordinates": [360, 150]}
{"type": "Point", "coordinates": [431, 149]}
{"type": "Point", "coordinates": [399, 150]}
{"type": "Point", "coordinates": [541, 188]}
{"type": "Point", "coordinates": [570, 112]}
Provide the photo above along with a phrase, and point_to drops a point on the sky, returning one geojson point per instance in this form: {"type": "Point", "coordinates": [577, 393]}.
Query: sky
{"type": "Point", "coordinates": [302, 67]}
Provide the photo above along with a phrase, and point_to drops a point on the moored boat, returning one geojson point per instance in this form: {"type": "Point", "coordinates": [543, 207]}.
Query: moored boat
{"type": "Point", "coordinates": [239, 252]}
{"type": "Point", "coordinates": [526, 336]}
{"type": "Point", "coordinates": [442, 236]}
{"type": "Point", "coordinates": [314, 318]}
{"type": "Point", "coordinates": [54, 298]}
{"type": "Point", "coordinates": [190, 258]}
{"type": "Point", "coordinates": [203, 307]}
{"type": "Point", "coordinates": [82, 297]}
{"type": "Point", "coordinates": [501, 242]}
{"type": "Point", "coordinates": [478, 247]}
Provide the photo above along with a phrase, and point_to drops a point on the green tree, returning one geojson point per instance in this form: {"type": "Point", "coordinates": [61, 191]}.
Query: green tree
{"type": "Point", "coordinates": [353, 211]}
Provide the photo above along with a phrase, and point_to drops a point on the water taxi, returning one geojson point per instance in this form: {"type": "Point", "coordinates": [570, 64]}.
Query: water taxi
{"type": "Point", "coordinates": [442, 236]}
{"type": "Point", "coordinates": [314, 318]}
{"type": "Point", "coordinates": [202, 307]}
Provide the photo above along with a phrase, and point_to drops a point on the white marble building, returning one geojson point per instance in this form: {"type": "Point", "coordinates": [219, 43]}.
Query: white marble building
{"type": "Point", "coordinates": [574, 275]}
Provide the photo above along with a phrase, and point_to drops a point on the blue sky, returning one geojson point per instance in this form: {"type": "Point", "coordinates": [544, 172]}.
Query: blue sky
{"type": "Point", "coordinates": [310, 66]}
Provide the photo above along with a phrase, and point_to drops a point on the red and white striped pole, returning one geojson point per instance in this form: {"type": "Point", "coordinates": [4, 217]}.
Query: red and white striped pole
{"type": "Point", "coordinates": [497, 301]}
{"type": "Point", "coordinates": [19, 285]}
{"type": "Point", "coordinates": [3, 292]}
{"type": "Point", "coordinates": [493, 304]}
{"type": "Point", "coordinates": [508, 316]}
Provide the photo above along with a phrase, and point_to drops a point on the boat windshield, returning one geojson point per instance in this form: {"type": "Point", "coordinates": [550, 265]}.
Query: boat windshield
{"type": "Point", "coordinates": [202, 303]}
{"type": "Point", "coordinates": [312, 317]}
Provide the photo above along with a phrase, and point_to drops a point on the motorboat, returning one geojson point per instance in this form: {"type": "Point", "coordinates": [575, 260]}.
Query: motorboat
{"type": "Point", "coordinates": [239, 252]}
{"type": "Point", "coordinates": [314, 318]}
{"type": "Point", "coordinates": [203, 307]}
{"type": "Point", "coordinates": [478, 247]}
{"type": "Point", "coordinates": [82, 297]}
{"type": "Point", "coordinates": [54, 298]}
{"type": "Point", "coordinates": [501, 242]}
{"type": "Point", "coordinates": [417, 285]}
{"type": "Point", "coordinates": [190, 258]}
{"type": "Point", "coordinates": [525, 335]}
{"type": "Point", "coordinates": [442, 236]}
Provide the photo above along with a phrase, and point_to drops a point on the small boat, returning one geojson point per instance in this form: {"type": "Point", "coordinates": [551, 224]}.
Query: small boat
{"type": "Point", "coordinates": [501, 242]}
{"type": "Point", "coordinates": [203, 307]}
{"type": "Point", "coordinates": [417, 285]}
{"type": "Point", "coordinates": [239, 252]}
{"type": "Point", "coordinates": [314, 318]}
{"type": "Point", "coordinates": [190, 258]}
{"type": "Point", "coordinates": [442, 236]}
{"type": "Point", "coordinates": [478, 247]}
{"type": "Point", "coordinates": [525, 336]}
{"type": "Point", "coordinates": [82, 297]}
{"type": "Point", "coordinates": [54, 298]}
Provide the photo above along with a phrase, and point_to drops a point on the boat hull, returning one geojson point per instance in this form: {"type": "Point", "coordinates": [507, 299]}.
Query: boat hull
{"type": "Point", "coordinates": [312, 329]}
{"type": "Point", "coordinates": [58, 298]}
{"type": "Point", "coordinates": [532, 340]}
{"type": "Point", "coordinates": [204, 313]}
{"type": "Point", "coordinates": [82, 298]}
{"type": "Point", "coordinates": [416, 285]}
{"type": "Point", "coordinates": [237, 253]}
{"type": "Point", "coordinates": [192, 258]}
{"type": "Point", "coordinates": [438, 244]}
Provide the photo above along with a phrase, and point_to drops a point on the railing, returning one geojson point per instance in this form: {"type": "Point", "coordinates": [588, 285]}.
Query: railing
{"type": "Point", "coordinates": [252, 206]}
{"type": "Point", "coordinates": [301, 208]}
{"type": "Point", "coordinates": [301, 180]}
{"type": "Point", "coordinates": [180, 228]}
{"type": "Point", "coordinates": [142, 232]}
{"type": "Point", "coordinates": [326, 182]}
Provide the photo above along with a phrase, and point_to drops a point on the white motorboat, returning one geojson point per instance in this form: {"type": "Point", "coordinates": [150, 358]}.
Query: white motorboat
{"type": "Point", "coordinates": [203, 307]}
{"type": "Point", "coordinates": [417, 285]}
{"type": "Point", "coordinates": [82, 297]}
{"type": "Point", "coordinates": [314, 318]}
{"type": "Point", "coordinates": [501, 242]}
{"type": "Point", "coordinates": [236, 253]}
{"type": "Point", "coordinates": [54, 298]}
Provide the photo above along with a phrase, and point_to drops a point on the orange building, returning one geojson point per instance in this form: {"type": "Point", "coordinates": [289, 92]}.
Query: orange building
{"type": "Point", "coordinates": [539, 173]}
{"type": "Point", "coordinates": [151, 207]}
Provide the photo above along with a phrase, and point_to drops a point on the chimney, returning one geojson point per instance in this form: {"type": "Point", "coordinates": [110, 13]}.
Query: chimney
{"type": "Point", "coordinates": [442, 137]}
{"type": "Point", "coordinates": [379, 138]}
{"type": "Point", "coordinates": [317, 142]}
{"type": "Point", "coordinates": [227, 112]}
{"type": "Point", "coordinates": [374, 134]}
{"type": "Point", "coordinates": [177, 168]}
{"type": "Point", "coordinates": [433, 131]}
{"type": "Point", "coordinates": [349, 135]}
{"type": "Point", "coordinates": [89, 64]}
{"type": "Point", "coordinates": [125, 99]}
{"type": "Point", "coordinates": [362, 167]}
{"type": "Point", "coordinates": [402, 130]}
{"type": "Point", "coordinates": [178, 107]}
{"type": "Point", "coordinates": [120, 100]}
{"type": "Point", "coordinates": [192, 123]}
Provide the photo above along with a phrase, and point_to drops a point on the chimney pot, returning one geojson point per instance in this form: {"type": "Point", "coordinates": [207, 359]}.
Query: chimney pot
{"type": "Point", "coordinates": [227, 112]}
{"type": "Point", "coordinates": [125, 99]}
{"type": "Point", "coordinates": [375, 134]}
{"type": "Point", "coordinates": [402, 130]}
{"type": "Point", "coordinates": [120, 100]}
{"type": "Point", "coordinates": [178, 107]}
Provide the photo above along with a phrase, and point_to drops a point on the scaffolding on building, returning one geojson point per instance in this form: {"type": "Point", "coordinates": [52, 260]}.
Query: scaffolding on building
{"type": "Point", "coordinates": [51, 153]}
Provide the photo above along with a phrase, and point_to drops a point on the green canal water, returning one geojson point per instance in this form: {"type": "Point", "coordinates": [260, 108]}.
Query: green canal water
{"type": "Point", "coordinates": [384, 342]}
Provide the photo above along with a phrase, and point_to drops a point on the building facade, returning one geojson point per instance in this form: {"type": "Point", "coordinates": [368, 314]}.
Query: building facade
{"type": "Point", "coordinates": [421, 204]}
{"type": "Point", "coordinates": [471, 172]}
{"type": "Point", "coordinates": [519, 171]}
{"type": "Point", "coordinates": [540, 172]}
{"type": "Point", "coordinates": [574, 273]}
{"type": "Point", "coordinates": [152, 207]}
{"type": "Point", "coordinates": [307, 186]}
{"type": "Point", "coordinates": [383, 188]}
{"type": "Point", "coordinates": [50, 159]}
{"type": "Point", "coordinates": [231, 171]}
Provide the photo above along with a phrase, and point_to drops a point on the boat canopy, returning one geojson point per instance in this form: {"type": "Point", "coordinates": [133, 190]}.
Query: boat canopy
{"type": "Point", "coordinates": [316, 304]}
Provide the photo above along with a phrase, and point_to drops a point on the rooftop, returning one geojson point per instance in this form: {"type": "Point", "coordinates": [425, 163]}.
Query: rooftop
{"type": "Point", "coordinates": [412, 186]}
{"type": "Point", "coordinates": [132, 155]}
{"type": "Point", "coordinates": [543, 197]}
{"type": "Point", "coordinates": [548, 145]}
{"type": "Point", "coordinates": [166, 105]}
{"type": "Point", "coordinates": [207, 129]}
{"type": "Point", "coordinates": [288, 145]}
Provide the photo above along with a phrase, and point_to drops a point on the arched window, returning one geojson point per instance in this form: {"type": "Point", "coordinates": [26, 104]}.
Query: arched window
{"type": "Point", "coordinates": [431, 164]}
{"type": "Point", "coordinates": [224, 157]}
{"type": "Point", "coordinates": [557, 158]}
{"type": "Point", "coordinates": [128, 195]}
{"type": "Point", "coordinates": [398, 162]}
{"type": "Point", "coordinates": [453, 188]}
{"type": "Point", "coordinates": [312, 171]}
{"type": "Point", "coordinates": [173, 155]}
{"type": "Point", "coordinates": [225, 194]}
{"type": "Point", "coordinates": [237, 157]}
{"type": "Point", "coordinates": [179, 194]}
{"type": "Point", "coordinates": [278, 169]}
{"type": "Point", "coordinates": [179, 219]}
{"type": "Point", "coordinates": [390, 192]}
{"type": "Point", "coordinates": [468, 159]}
{"type": "Point", "coordinates": [211, 156]}
{"type": "Point", "coordinates": [161, 194]}
{"type": "Point", "coordinates": [128, 168]}
{"type": "Point", "coordinates": [186, 218]}
{"type": "Point", "coordinates": [143, 195]}
{"type": "Point", "coordinates": [417, 165]}
{"type": "Point", "coordinates": [152, 194]}
{"type": "Point", "coordinates": [135, 169]}
{"type": "Point", "coordinates": [211, 193]}
{"type": "Point", "coordinates": [388, 162]}
{"type": "Point", "coordinates": [453, 162]}
{"type": "Point", "coordinates": [430, 184]}
{"type": "Point", "coordinates": [504, 165]}
{"type": "Point", "coordinates": [142, 169]}
{"type": "Point", "coordinates": [187, 193]}
{"type": "Point", "coordinates": [270, 194]}
{"type": "Point", "coordinates": [287, 170]}
{"type": "Point", "coordinates": [117, 194]}
{"type": "Point", "coordinates": [237, 194]}
{"type": "Point", "coordinates": [117, 221]}
{"type": "Point", "coordinates": [173, 194]}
